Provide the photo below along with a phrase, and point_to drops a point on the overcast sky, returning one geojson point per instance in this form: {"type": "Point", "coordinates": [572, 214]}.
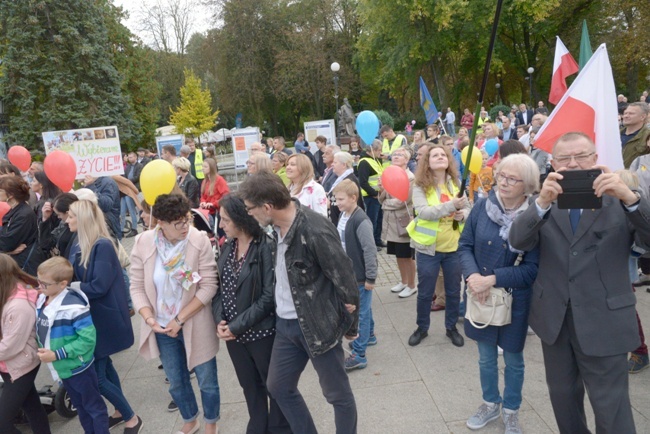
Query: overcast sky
{"type": "Point", "coordinates": [201, 20]}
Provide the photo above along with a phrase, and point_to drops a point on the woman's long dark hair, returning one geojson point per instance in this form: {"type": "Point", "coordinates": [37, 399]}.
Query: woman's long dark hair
{"type": "Point", "coordinates": [10, 275]}
{"type": "Point", "coordinates": [50, 191]}
{"type": "Point", "coordinates": [236, 210]}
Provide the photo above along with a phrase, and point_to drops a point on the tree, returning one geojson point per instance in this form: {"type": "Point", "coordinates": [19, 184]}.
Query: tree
{"type": "Point", "coordinates": [158, 17]}
{"type": "Point", "coordinates": [194, 115]}
{"type": "Point", "coordinates": [58, 70]}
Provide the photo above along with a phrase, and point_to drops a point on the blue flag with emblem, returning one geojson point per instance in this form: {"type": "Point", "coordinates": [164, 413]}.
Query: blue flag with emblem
{"type": "Point", "coordinates": [430, 110]}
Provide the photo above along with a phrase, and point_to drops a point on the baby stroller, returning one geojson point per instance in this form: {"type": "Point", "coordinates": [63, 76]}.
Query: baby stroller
{"type": "Point", "coordinates": [202, 222]}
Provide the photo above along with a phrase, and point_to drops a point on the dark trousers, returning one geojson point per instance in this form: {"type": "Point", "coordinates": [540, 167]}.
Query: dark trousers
{"type": "Point", "coordinates": [376, 216]}
{"type": "Point", "coordinates": [18, 394]}
{"type": "Point", "coordinates": [83, 390]}
{"type": "Point", "coordinates": [288, 360]}
{"type": "Point", "coordinates": [569, 370]}
{"type": "Point", "coordinates": [251, 361]}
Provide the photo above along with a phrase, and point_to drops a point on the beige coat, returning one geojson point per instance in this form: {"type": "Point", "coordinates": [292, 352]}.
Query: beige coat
{"type": "Point", "coordinates": [199, 332]}
{"type": "Point", "coordinates": [393, 209]}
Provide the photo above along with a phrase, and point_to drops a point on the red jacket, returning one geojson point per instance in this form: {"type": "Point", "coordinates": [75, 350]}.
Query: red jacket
{"type": "Point", "coordinates": [220, 189]}
{"type": "Point", "coordinates": [467, 121]}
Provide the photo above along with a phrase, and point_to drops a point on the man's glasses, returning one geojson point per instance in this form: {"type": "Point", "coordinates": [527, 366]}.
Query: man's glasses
{"type": "Point", "coordinates": [580, 158]}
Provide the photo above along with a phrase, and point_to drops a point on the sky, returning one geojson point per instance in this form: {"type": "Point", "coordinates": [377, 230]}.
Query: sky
{"type": "Point", "coordinates": [200, 23]}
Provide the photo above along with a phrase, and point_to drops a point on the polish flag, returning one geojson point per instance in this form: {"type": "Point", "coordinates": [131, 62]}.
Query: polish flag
{"type": "Point", "coordinates": [564, 65]}
{"type": "Point", "coordinates": [590, 107]}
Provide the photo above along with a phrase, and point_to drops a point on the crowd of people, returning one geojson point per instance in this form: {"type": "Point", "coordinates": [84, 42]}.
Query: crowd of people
{"type": "Point", "coordinates": [298, 265]}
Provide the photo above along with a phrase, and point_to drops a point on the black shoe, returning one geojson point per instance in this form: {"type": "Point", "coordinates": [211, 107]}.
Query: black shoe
{"type": "Point", "coordinates": [114, 421]}
{"type": "Point", "coordinates": [136, 429]}
{"type": "Point", "coordinates": [172, 407]}
{"type": "Point", "coordinates": [378, 249]}
{"type": "Point", "coordinates": [381, 244]}
{"type": "Point", "coordinates": [417, 336]}
{"type": "Point", "coordinates": [133, 233]}
{"type": "Point", "coordinates": [455, 337]}
{"type": "Point", "coordinates": [160, 366]}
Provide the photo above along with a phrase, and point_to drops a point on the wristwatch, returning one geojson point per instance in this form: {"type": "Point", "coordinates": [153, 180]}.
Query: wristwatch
{"type": "Point", "coordinates": [178, 321]}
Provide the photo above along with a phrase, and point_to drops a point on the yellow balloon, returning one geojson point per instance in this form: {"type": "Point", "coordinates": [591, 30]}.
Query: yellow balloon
{"type": "Point", "coordinates": [158, 177]}
{"type": "Point", "coordinates": [476, 164]}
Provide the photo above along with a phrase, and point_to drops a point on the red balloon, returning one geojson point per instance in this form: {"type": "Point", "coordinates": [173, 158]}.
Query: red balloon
{"type": "Point", "coordinates": [396, 182]}
{"type": "Point", "coordinates": [4, 209]}
{"type": "Point", "coordinates": [61, 169]}
{"type": "Point", "coordinates": [20, 157]}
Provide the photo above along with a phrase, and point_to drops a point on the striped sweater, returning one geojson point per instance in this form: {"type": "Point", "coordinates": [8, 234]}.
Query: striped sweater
{"type": "Point", "coordinates": [65, 326]}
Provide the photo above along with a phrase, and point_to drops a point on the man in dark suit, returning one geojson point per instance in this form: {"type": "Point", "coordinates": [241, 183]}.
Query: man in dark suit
{"type": "Point", "coordinates": [524, 116]}
{"type": "Point", "coordinates": [583, 306]}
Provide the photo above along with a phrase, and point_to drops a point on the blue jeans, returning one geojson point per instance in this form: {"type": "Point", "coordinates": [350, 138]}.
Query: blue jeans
{"type": "Point", "coordinates": [376, 216]}
{"type": "Point", "coordinates": [288, 360]}
{"type": "Point", "coordinates": [127, 203]}
{"type": "Point", "coordinates": [513, 376]}
{"type": "Point", "coordinates": [428, 268]}
{"type": "Point", "coordinates": [174, 360]}
{"type": "Point", "coordinates": [451, 130]}
{"type": "Point", "coordinates": [366, 323]}
{"type": "Point", "coordinates": [110, 387]}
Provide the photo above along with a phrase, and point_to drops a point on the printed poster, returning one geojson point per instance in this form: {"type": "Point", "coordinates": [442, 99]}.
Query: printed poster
{"type": "Point", "coordinates": [176, 140]}
{"type": "Point", "coordinates": [96, 151]}
{"type": "Point", "coordinates": [242, 139]}
{"type": "Point", "coordinates": [320, 128]}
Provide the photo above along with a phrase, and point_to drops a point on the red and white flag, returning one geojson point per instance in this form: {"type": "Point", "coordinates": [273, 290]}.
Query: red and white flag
{"type": "Point", "coordinates": [564, 65]}
{"type": "Point", "coordinates": [590, 107]}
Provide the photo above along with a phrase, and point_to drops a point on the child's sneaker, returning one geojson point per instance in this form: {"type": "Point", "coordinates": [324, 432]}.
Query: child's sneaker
{"type": "Point", "coordinates": [354, 361]}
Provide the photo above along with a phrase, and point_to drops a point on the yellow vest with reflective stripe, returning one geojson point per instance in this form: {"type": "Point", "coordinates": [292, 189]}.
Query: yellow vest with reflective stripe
{"type": "Point", "coordinates": [386, 149]}
{"type": "Point", "coordinates": [373, 180]}
{"type": "Point", "coordinates": [425, 232]}
{"type": "Point", "coordinates": [198, 163]}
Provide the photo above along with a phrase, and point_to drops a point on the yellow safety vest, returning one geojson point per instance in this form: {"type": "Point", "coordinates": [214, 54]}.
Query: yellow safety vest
{"type": "Point", "coordinates": [425, 232]}
{"type": "Point", "coordinates": [386, 149]}
{"type": "Point", "coordinates": [198, 163]}
{"type": "Point", "coordinates": [373, 180]}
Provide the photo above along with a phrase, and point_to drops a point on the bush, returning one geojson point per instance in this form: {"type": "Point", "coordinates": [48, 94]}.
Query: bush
{"type": "Point", "coordinates": [385, 118]}
{"type": "Point", "coordinates": [495, 110]}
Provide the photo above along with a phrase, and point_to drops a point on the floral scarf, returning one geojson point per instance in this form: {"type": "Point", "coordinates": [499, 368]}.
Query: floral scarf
{"type": "Point", "coordinates": [179, 275]}
{"type": "Point", "coordinates": [497, 215]}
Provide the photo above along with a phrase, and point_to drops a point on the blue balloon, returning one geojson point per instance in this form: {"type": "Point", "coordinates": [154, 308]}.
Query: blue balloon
{"type": "Point", "coordinates": [491, 147]}
{"type": "Point", "coordinates": [367, 126]}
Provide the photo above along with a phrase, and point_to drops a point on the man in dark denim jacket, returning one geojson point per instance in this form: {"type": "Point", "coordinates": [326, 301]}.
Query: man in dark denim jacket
{"type": "Point", "coordinates": [316, 300]}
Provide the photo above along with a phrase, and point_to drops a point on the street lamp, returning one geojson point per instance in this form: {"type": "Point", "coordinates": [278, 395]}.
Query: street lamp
{"type": "Point", "coordinates": [335, 67]}
{"type": "Point", "coordinates": [530, 81]}
{"type": "Point", "coordinates": [498, 86]}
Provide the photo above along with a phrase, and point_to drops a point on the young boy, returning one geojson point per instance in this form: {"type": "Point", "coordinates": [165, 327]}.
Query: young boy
{"type": "Point", "coordinates": [66, 337]}
{"type": "Point", "coordinates": [355, 230]}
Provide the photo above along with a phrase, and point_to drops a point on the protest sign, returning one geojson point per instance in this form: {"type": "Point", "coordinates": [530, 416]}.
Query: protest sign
{"type": "Point", "coordinates": [176, 140]}
{"type": "Point", "coordinates": [96, 151]}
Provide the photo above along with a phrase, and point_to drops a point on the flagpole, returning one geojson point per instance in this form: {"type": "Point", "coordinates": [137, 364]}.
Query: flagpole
{"type": "Point", "coordinates": [481, 94]}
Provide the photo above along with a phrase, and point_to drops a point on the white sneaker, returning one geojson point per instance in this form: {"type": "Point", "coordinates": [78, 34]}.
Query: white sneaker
{"type": "Point", "coordinates": [407, 292]}
{"type": "Point", "coordinates": [398, 287]}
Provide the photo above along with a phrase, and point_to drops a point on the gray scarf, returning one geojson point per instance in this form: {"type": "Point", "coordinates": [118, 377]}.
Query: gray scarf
{"type": "Point", "coordinates": [496, 214]}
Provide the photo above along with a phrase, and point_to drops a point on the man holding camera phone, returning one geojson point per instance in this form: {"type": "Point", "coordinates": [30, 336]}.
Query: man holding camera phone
{"type": "Point", "coordinates": [583, 307]}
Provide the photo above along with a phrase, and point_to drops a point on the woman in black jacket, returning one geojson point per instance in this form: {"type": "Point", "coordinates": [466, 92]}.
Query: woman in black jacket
{"type": "Point", "coordinates": [19, 231]}
{"type": "Point", "coordinates": [187, 183]}
{"type": "Point", "coordinates": [48, 221]}
{"type": "Point", "coordinates": [244, 310]}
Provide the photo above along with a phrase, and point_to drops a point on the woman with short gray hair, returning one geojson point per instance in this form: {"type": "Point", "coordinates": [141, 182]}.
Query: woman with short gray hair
{"type": "Point", "coordinates": [186, 182]}
{"type": "Point", "coordinates": [342, 169]}
{"type": "Point", "coordinates": [488, 260]}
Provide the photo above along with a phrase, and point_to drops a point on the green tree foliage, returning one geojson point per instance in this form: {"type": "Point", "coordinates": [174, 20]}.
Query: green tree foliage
{"type": "Point", "coordinates": [194, 116]}
{"type": "Point", "coordinates": [58, 70]}
{"type": "Point", "coordinates": [135, 63]}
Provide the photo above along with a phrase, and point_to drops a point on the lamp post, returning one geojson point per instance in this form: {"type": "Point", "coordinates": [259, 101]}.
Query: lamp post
{"type": "Point", "coordinates": [530, 81]}
{"type": "Point", "coordinates": [498, 86]}
{"type": "Point", "coordinates": [335, 67]}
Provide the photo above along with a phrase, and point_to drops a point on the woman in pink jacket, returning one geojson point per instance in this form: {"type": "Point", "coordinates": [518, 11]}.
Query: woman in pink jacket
{"type": "Point", "coordinates": [173, 280]}
{"type": "Point", "coordinates": [19, 361]}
